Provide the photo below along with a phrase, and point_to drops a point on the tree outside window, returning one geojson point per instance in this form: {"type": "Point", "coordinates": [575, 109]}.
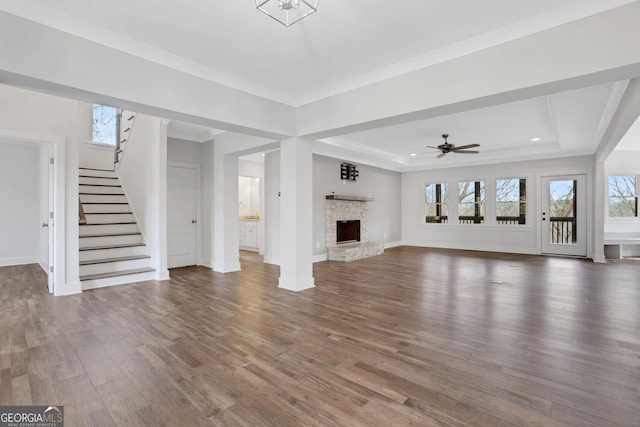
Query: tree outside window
{"type": "Point", "coordinates": [511, 201]}
{"type": "Point", "coordinates": [104, 124]}
{"type": "Point", "coordinates": [623, 196]}
{"type": "Point", "coordinates": [471, 202]}
{"type": "Point", "coordinates": [435, 204]}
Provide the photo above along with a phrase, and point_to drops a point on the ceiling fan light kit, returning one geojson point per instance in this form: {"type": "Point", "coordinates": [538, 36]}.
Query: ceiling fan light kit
{"type": "Point", "coordinates": [287, 12]}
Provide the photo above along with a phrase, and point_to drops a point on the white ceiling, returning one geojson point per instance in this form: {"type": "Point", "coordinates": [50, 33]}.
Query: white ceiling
{"type": "Point", "coordinates": [348, 44]}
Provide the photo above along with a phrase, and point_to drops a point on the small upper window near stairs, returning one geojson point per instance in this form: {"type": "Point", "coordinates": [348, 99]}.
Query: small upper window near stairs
{"type": "Point", "coordinates": [104, 125]}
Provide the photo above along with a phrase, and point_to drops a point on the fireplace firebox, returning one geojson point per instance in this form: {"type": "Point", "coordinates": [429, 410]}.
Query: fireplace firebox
{"type": "Point", "coordinates": [347, 231]}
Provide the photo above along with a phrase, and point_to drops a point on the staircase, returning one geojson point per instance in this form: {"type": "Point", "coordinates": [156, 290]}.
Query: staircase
{"type": "Point", "coordinates": [112, 249]}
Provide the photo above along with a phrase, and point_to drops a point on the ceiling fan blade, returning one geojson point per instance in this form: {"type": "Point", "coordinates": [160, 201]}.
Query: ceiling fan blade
{"type": "Point", "coordinates": [441, 155]}
{"type": "Point", "coordinates": [435, 148]}
{"type": "Point", "coordinates": [465, 152]}
{"type": "Point", "coordinates": [464, 147]}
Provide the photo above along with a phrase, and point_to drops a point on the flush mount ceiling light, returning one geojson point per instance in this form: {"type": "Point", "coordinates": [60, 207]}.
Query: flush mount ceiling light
{"type": "Point", "coordinates": [287, 12]}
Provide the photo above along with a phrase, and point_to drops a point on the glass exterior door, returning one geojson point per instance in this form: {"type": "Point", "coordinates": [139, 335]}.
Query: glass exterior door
{"type": "Point", "coordinates": [563, 221]}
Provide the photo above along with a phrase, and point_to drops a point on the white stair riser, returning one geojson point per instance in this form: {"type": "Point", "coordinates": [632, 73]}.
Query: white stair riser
{"type": "Point", "coordinates": [108, 229]}
{"type": "Point", "coordinates": [117, 280]}
{"type": "Point", "coordinates": [109, 267]}
{"type": "Point", "coordinates": [112, 253]}
{"type": "Point", "coordinates": [103, 207]}
{"type": "Point", "coordinates": [109, 218]}
{"type": "Point", "coordinates": [102, 198]}
{"type": "Point", "coordinates": [98, 181]}
{"type": "Point", "coordinates": [110, 174]}
{"type": "Point", "coordinates": [87, 242]}
{"type": "Point", "coordinates": [100, 190]}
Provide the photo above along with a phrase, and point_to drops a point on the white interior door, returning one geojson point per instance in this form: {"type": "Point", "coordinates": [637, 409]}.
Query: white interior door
{"type": "Point", "coordinates": [564, 211]}
{"type": "Point", "coordinates": [182, 200]}
{"type": "Point", "coordinates": [50, 220]}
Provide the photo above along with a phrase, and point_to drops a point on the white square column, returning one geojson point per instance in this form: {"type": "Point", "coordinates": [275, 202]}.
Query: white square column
{"type": "Point", "coordinates": [296, 225]}
{"type": "Point", "coordinates": [226, 255]}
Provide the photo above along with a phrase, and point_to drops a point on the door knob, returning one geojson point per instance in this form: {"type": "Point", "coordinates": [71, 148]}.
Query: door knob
{"type": "Point", "coordinates": [44, 224]}
{"type": "Point", "coordinates": [194, 221]}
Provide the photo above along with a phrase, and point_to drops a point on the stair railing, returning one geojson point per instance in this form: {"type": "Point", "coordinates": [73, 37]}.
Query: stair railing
{"type": "Point", "coordinates": [124, 124]}
{"type": "Point", "coordinates": [82, 217]}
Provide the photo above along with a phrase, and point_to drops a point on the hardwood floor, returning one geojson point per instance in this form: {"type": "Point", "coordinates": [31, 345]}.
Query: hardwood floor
{"type": "Point", "coordinates": [412, 337]}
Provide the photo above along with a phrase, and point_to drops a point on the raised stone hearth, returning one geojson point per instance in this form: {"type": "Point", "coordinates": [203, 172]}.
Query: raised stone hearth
{"type": "Point", "coordinates": [355, 251]}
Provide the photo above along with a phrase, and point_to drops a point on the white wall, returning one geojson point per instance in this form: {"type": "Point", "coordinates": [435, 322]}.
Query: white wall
{"type": "Point", "coordinates": [94, 156]}
{"type": "Point", "coordinates": [384, 219]}
{"type": "Point", "coordinates": [59, 121]}
{"type": "Point", "coordinates": [250, 168]}
{"type": "Point", "coordinates": [183, 151]}
{"type": "Point", "coordinates": [487, 237]}
{"type": "Point", "coordinates": [143, 173]}
{"type": "Point", "coordinates": [19, 214]}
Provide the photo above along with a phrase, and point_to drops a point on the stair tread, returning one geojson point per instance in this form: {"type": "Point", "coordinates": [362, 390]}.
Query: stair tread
{"type": "Point", "coordinates": [105, 203]}
{"type": "Point", "coordinates": [97, 176]}
{"type": "Point", "coordinates": [110, 235]}
{"type": "Point", "coordinates": [108, 213]}
{"type": "Point", "coordinates": [102, 194]}
{"type": "Point", "coordinates": [116, 273]}
{"type": "Point", "coordinates": [126, 245]}
{"type": "Point", "coordinates": [102, 185]}
{"type": "Point", "coordinates": [106, 260]}
{"type": "Point", "coordinates": [94, 169]}
{"type": "Point", "coordinates": [111, 223]}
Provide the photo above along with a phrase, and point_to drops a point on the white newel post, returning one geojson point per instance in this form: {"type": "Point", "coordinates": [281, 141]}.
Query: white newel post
{"type": "Point", "coordinates": [296, 183]}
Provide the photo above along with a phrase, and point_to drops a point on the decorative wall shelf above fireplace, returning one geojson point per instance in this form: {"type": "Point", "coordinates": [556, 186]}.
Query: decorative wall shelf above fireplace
{"type": "Point", "coordinates": [348, 198]}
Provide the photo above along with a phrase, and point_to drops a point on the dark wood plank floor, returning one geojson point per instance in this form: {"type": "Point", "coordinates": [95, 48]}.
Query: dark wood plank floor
{"type": "Point", "coordinates": [412, 337]}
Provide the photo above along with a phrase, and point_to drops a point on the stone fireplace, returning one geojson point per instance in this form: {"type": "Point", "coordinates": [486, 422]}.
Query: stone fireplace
{"type": "Point", "coordinates": [347, 236]}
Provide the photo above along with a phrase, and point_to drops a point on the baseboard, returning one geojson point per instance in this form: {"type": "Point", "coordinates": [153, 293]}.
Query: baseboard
{"type": "Point", "coordinates": [296, 285]}
{"type": "Point", "coordinates": [271, 260]}
{"type": "Point", "coordinates": [6, 262]}
{"type": "Point", "coordinates": [521, 251]}
{"type": "Point", "coordinates": [229, 267]}
{"type": "Point", "coordinates": [320, 257]}
{"type": "Point", "coordinates": [162, 275]}
{"type": "Point", "coordinates": [71, 288]}
{"type": "Point", "coordinates": [389, 245]}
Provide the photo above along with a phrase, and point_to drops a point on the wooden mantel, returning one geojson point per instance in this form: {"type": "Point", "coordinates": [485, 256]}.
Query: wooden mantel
{"type": "Point", "coordinates": [348, 198]}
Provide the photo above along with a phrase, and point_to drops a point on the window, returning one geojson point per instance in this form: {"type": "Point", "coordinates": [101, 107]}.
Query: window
{"type": "Point", "coordinates": [471, 202]}
{"type": "Point", "coordinates": [511, 201]}
{"type": "Point", "coordinates": [435, 204]}
{"type": "Point", "coordinates": [104, 124]}
{"type": "Point", "coordinates": [623, 196]}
